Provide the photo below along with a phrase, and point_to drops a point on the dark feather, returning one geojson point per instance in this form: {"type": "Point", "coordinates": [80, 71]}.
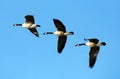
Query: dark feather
{"type": "Point", "coordinates": [59, 25]}
{"type": "Point", "coordinates": [93, 40]}
{"type": "Point", "coordinates": [34, 31]}
{"type": "Point", "coordinates": [61, 43]}
{"type": "Point", "coordinates": [29, 19]}
{"type": "Point", "coordinates": [93, 55]}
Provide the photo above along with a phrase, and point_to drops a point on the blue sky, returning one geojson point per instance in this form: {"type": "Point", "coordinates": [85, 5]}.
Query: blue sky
{"type": "Point", "coordinates": [24, 56]}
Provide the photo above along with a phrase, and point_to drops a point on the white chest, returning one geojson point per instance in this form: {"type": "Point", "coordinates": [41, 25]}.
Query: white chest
{"type": "Point", "coordinates": [59, 33]}
{"type": "Point", "coordinates": [29, 25]}
{"type": "Point", "coordinates": [90, 44]}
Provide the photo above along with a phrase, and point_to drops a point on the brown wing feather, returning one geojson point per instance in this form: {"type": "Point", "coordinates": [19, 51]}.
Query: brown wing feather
{"type": "Point", "coordinates": [30, 19]}
{"type": "Point", "coordinates": [94, 40]}
{"type": "Point", "coordinates": [34, 31]}
{"type": "Point", "coordinates": [61, 43]}
{"type": "Point", "coordinates": [93, 56]}
{"type": "Point", "coordinates": [59, 25]}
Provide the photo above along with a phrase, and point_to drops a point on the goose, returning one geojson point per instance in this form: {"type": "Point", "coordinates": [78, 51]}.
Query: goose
{"type": "Point", "coordinates": [30, 25]}
{"type": "Point", "coordinates": [61, 33]}
{"type": "Point", "coordinates": [94, 45]}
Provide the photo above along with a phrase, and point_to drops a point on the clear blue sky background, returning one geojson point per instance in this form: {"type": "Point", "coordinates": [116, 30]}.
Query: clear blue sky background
{"type": "Point", "coordinates": [24, 56]}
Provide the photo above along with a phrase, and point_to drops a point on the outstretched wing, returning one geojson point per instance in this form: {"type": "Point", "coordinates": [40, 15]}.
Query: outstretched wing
{"type": "Point", "coordinates": [29, 19]}
{"type": "Point", "coordinates": [92, 40]}
{"type": "Point", "coordinates": [34, 31]}
{"type": "Point", "coordinates": [61, 43]}
{"type": "Point", "coordinates": [59, 25]}
{"type": "Point", "coordinates": [93, 55]}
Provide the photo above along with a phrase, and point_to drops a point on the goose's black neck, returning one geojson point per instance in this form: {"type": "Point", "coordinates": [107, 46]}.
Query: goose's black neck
{"type": "Point", "coordinates": [80, 44]}
{"type": "Point", "coordinates": [17, 25]}
{"type": "Point", "coordinates": [47, 33]}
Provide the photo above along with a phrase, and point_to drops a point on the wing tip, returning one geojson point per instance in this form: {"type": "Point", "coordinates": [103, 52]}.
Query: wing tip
{"type": "Point", "coordinates": [28, 15]}
{"type": "Point", "coordinates": [36, 34]}
{"type": "Point", "coordinates": [56, 20]}
{"type": "Point", "coordinates": [59, 51]}
{"type": "Point", "coordinates": [91, 66]}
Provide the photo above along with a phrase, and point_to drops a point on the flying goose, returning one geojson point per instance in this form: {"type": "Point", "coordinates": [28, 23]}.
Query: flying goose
{"type": "Point", "coordinates": [30, 25]}
{"type": "Point", "coordinates": [61, 33]}
{"type": "Point", "coordinates": [94, 45]}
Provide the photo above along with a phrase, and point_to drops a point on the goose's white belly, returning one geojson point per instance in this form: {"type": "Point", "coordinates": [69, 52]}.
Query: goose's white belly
{"type": "Point", "coordinates": [29, 25]}
{"type": "Point", "coordinates": [59, 33]}
{"type": "Point", "coordinates": [90, 44]}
